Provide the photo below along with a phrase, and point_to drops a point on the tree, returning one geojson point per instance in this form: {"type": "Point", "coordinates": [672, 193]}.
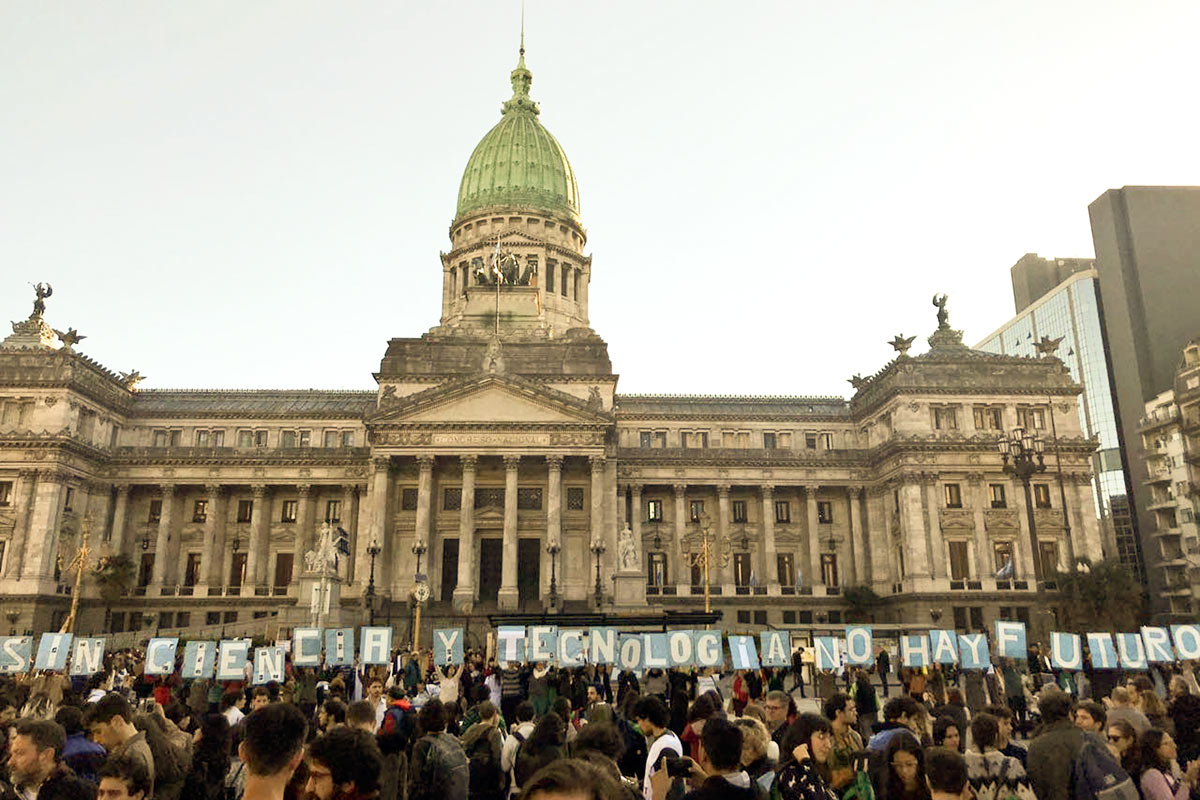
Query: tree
{"type": "Point", "coordinates": [114, 577]}
{"type": "Point", "coordinates": [861, 600]}
{"type": "Point", "coordinates": [1099, 597]}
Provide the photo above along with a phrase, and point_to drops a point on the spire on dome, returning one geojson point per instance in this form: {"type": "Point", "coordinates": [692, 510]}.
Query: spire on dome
{"type": "Point", "coordinates": [521, 78]}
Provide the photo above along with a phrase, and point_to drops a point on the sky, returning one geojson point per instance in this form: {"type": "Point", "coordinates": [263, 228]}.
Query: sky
{"type": "Point", "coordinates": [254, 194]}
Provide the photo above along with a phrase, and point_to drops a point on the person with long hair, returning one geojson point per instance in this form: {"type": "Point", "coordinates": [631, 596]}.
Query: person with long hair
{"type": "Point", "coordinates": [1158, 781]}
{"type": "Point", "coordinates": [547, 743]}
{"type": "Point", "coordinates": [210, 759]}
{"type": "Point", "coordinates": [906, 771]}
{"type": "Point", "coordinates": [804, 756]}
{"type": "Point", "coordinates": [993, 774]}
{"type": "Point", "coordinates": [1122, 743]}
{"type": "Point", "coordinates": [946, 733]}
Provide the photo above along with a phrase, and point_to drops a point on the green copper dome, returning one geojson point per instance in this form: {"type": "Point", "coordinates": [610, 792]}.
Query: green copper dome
{"type": "Point", "coordinates": [518, 164]}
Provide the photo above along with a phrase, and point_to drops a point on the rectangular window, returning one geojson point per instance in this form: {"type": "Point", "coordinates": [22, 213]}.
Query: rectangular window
{"type": "Point", "coordinates": [741, 569]}
{"type": "Point", "coordinates": [829, 570]}
{"type": "Point", "coordinates": [826, 441]}
{"type": "Point", "coordinates": [824, 512]}
{"type": "Point", "coordinates": [785, 569]}
{"type": "Point", "coordinates": [237, 571]}
{"type": "Point", "coordinates": [200, 511]}
{"type": "Point", "coordinates": [218, 438]}
{"type": "Point", "coordinates": [492, 496]}
{"type": "Point", "coordinates": [451, 499]}
{"type": "Point", "coordinates": [245, 438]}
{"type": "Point", "coordinates": [1041, 495]}
{"type": "Point", "coordinates": [960, 618]}
{"type": "Point", "coordinates": [783, 511]}
{"type": "Point", "coordinates": [160, 438]}
{"type": "Point", "coordinates": [191, 573]}
{"type": "Point", "coordinates": [1003, 560]}
{"type": "Point", "coordinates": [260, 438]}
{"type": "Point", "coordinates": [996, 493]}
{"type": "Point", "coordinates": [697, 439]}
{"type": "Point", "coordinates": [212, 618]}
{"type": "Point", "coordinates": [953, 495]}
{"type": "Point", "coordinates": [959, 562]}
{"type": "Point", "coordinates": [529, 498]}
{"type": "Point", "coordinates": [304, 438]}
{"type": "Point", "coordinates": [408, 499]}
{"type": "Point", "coordinates": [287, 439]}
{"type": "Point", "coordinates": [283, 569]}
{"type": "Point", "coordinates": [69, 499]}
{"type": "Point", "coordinates": [739, 510]}
{"type": "Point", "coordinates": [175, 438]}
{"type": "Point", "coordinates": [810, 441]}
{"type": "Point", "coordinates": [660, 439]}
{"type": "Point", "coordinates": [6, 493]}
{"type": "Point", "coordinates": [550, 271]}
{"type": "Point", "coordinates": [155, 511]}
{"type": "Point", "coordinates": [331, 438]}
{"type": "Point", "coordinates": [743, 617]}
{"type": "Point", "coordinates": [789, 617]}
{"type": "Point", "coordinates": [945, 419]}
{"type": "Point", "coordinates": [645, 439]}
{"type": "Point", "coordinates": [575, 498]}
{"type": "Point", "coordinates": [145, 569]}
{"type": "Point", "coordinates": [656, 569]}
{"type": "Point", "coordinates": [289, 510]}
{"type": "Point", "coordinates": [769, 441]}
{"type": "Point", "coordinates": [347, 438]}
{"type": "Point", "coordinates": [989, 418]}
{"type": "Point", "coordinates": [976, 618]}
{"type": "Point", "coordinates": [1031, 418]}
{"type": "Point", "coordinates": [654, 510]}
{"type": "Point", "coordinates": [563, 283]}
{"type": "Point", "coordinates": [245, 510]}
{"type": "Point", "coordinates": [695, 510]}
{"type": "Point", "coordinates": [333, 511]}
{"type": "Point", "coordinates": [1049, 554]}
{"type": "Point", "coordinates": [201, 438]}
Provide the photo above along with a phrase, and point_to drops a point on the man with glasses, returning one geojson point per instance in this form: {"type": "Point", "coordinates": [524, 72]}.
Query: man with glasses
{"type": "Point", "coordinates": [344, 764]}
{"type": "Point", "coordinates": [777, 706]}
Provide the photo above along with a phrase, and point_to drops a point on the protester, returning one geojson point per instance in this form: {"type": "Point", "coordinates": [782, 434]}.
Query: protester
{"type": "Point", "coordinates": [803, 759]}
{"type": "Point", "coordinates": [36, 768]}
{"type": "Point", "coordinates": [109, 722]}
{"type": "Point", "coordinates": [360, 715]}
{"type": "Point", "coordinates": [572, 779]}
{"type": "Point", "coordinates": [905, 779]}
{"type": "Point", "coordinates": [600, 743]}
{"type": "Point", "coordinates": [993, 775]}
{"type": "Point", "coordinates": [1184, 709]}
{"type": "Point", "coordinates": [545, 744]}
{"type": "Point", "coordinates": [946, 734]}
{"type": "Point", "coordinates": [438, 766]}
{"type": "Point", "coordinates": [83, 756]}
{"type": "Point", "coordinates": [272, 747]}
{"type": "Point", "coordinates": [866, 701]}
{"type": "Point", "coordinates": [651, 715]}
{"type": "Point", "coordinates": [946, 772]}
{"type": "Point", "coordinates": [1053, 750]}
{"type": "Point", "coordinates": [1005, 743]}
{"type": "Point", "coordinates": [776, 706]}
{"type": "Point", "coordinates": [483, 744]}
{"type": "Point", "coordinates": [210, 760]}
{"type": "Point", "coordinates": [1160, 778]}
{"type": "Point", "coordinates": [123, 778]}
{"type": "Point", "coordinates": [1122, 743]}
{"type": "Point", "coordinates": [1121, 709]}
{"type": "Point", "coordinates": [1091, 716]}
{"type": "Point", "coordinates": [955, 707]}
{"type": "Point", "coordinates": [843, 717]}
{"type": "Point", "coordinates": [717, 774]}
{"type": "Point", "coordinates": [344, 764]}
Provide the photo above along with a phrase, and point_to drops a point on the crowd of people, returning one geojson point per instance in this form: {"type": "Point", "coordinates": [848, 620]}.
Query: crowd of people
{"type": "Point", "coordinates": [488, 731]}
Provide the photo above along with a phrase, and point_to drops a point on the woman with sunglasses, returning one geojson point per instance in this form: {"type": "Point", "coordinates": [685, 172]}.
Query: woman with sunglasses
{"type": "Point", "coordinates": [804, 770]}
{"type": "Point", "coordinates": [1160, 779]}
{"type": "Point", "coordinates": [1122, 743]}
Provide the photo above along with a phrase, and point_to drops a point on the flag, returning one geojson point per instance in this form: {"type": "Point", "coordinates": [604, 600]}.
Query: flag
{"type": "Point", "coordinates": [1006, 571]}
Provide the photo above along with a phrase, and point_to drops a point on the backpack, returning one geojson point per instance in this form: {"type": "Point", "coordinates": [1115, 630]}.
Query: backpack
{"type": "Point", "coordinates": [395, 731]}
{"type": "Point", "coordinates": [483, 766]}
{"type": "Point", "coordinates": [1097, 775]}
{"type": "Point", "coordinates": [445, 772]}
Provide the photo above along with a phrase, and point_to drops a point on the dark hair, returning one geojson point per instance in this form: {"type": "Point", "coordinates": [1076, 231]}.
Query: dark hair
{"type": "Point", "coordinates": [107, 707]}
{"type": "Point", "coordinates": [1095, 710]}
{"type": "Point", "coordinates": [722, 743]}
{"type": "Point", "coordinates": [525, 711]}
{"type": "Point", "coordinates": [229, 700]}
{"type": "Point", "coordinates": [652, 708]}
{"type": "Point", "coordinates": [1054, 705]}
{"type": "Point", "coordinates": [999, 711]}
{"type": "Point", "coordinates": [801, 732]}
{"type": "Point", "coordinates": [335, 709]}
{"type": "Point", "coordinates": [954, 697]}
{"type": "Point", "coordinates": [215, 736]}
{"type": "Point", "coordinates": [985, 730]}
{"type": "Point", "coordinates": [550, 731]}
{"type": "Point", "coordinates": [900, 706]}
{"type": "Point", "coordinates": [946, 770]}
{"type": "Point", "coordinates": [260, 691]}
{"type": "Point", "coordinates": [1148, 744]}
{"type": "Point", "coordinates": [127, 770]}
{"type": "Point", "coordinates": [561, 706]}
{"type": "Point", "coordinates": [360, 712]}
{"type": "Point", "coordinates": [837, 702]}
{"type": "Point", "coordinates": [272, 736]}
{"type": "Point", "coordinates": [351, 756]}
{"type": "Point", "coordinates": [71, 719]}
{"type": "Point", "coordinates": [904, 744]}
{"type": "Point", "coordinates": [572, 776]}
{"type": "Point", "coordinates": [486, 709]}
{"type": "Point", "coordinates": [396, 691]}
{"type": "Point", "coordinates": [706, 705]}
{"type": "Point", "coordinates": [45, 735]}
{"type": "Point", "coordinates": [940, 726]}
{"type": "Point", "coordinates": [432, 717]}
{"type": "Point", "coordinates": [600, 737]}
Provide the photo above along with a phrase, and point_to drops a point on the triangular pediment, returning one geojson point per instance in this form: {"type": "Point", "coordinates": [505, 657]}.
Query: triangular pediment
{"type": "Point", "coordinates": [490, 400]}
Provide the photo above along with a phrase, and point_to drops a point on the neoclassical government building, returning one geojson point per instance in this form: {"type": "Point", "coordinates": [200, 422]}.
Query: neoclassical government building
{"type": "Point", "coordinates": [496, 468]}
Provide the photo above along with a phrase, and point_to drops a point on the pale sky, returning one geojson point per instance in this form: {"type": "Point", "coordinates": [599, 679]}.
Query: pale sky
{"type": "Point", "coordinates": [254, 194]}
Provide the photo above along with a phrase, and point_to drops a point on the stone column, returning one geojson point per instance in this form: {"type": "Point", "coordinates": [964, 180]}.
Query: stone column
{"type": "Point", "coordinates": [680, 531]}
{"type": "Point", "coordinates": [116, 539]}
{"type": "Point", "coordinates": [814, 538]}
{"type": "Point", "coordinates": [1085, 528]}
{"type": "Point", "coordinates": [214, 540]}
{"type": "Point", "coordinates": [349, 514]}
{"type": "Point", "coordinates": [979, 504]}
{"type": "Point", "coordinates": [23, 495]}
{"type": "Point", "coordinates": [724, 575]}
{"type": "Point", "coordinates": [1015, 492]}
{"type": "Point", "coordinates": [259, 550]}
{"type": "Point", "coordinates": [554, 465]}
{"type": "Point", "coordinates": [305, 539]}
{"type": "Point", "coordinates": [597, 515]}
{"type": "Point", "coordinates": [424, 497]}
{"type": "Point", "coordinates": [99, 501]}
{"type": "Point", "coordinates": [937, 541]}
{"type": "Point", "coordinates": [42, 536]}
{"type": "Point", "coordinates": [464, 592]}
{"type": "Point", "coordinates": [635, 518]}
{"type": "Point", "coordinates": [877, 527]}
{"type": "Point", "coordinates": [376, 528]}
{"type": "Point", "coordinates": [507, 596]}
{"type": "Point", "coordinates": [770, 560]}
{"type": "Point", "coordinates": [858, 543]}
{"type": "Point", "coordinates": [162, 543]}
{"type": "Point", "coordinates": [912, 527]}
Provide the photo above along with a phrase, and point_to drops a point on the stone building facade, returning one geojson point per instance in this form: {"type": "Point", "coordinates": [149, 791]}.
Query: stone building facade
{"type": "Point", "coordinates": [496, 469]}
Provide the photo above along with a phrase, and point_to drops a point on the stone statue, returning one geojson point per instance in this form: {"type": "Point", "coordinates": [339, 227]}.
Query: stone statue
{"type": "Point", "coordinates": [325, 555]}
{"type": "Point", "coordinates": [530, 273]}
{"type": "Point", "coordinates": [43, 290]}
{"type": "Point", "coordinates": [627, 551]}
{"type": "Point", "coordinates": [1047, 346]}
{"type": "Point", "coordinates": [69, 339]}
{"type": "Point", "coordinates": [492, 360]}
{"type": "Point", "coordinates": [901, 344]}
{"type": "Point", "coordinates": [594, 401]}
{"type": "Point", "coordinates": [857, 382]}
{"type": "Point", "coordinates": [943, 316]}
{"type": "Point", "coordinates": [132, 379]}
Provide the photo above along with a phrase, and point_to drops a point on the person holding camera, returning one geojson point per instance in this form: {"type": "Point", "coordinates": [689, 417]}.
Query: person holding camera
{"type": "Point", "coordinates": [718, 775]}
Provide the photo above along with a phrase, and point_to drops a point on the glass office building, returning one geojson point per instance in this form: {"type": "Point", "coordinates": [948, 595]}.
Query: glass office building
{"type": "Point", "coordinates": [1071, 310]}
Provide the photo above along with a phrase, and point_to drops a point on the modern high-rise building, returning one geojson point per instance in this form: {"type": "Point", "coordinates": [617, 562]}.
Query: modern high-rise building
{"type": "Point", "coordinates": [1070, 309]}
{"type": "Point", "coordinates": [1147, 241]}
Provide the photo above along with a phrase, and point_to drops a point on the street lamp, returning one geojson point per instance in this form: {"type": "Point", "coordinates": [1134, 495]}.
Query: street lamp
{"type": "Point", "coordinates": [420, 594]}
{"type": "Point", "coordinates": [554, 548]}
{"type": "Point", "coordinates": [598, 549]}
{"type": "Point", "coordinates": [237, 545]}
{"type": "Point", "coordinates": [373, 551]}
{"type": "Point", "coordinates": [711, 553]}
{"type": "Point", "coordinates": [1024, 458]}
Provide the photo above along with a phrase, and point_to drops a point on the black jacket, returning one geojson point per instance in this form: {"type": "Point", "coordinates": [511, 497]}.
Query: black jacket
{"type": "Point", "coordinates": [717, 788]}
{"type": "Point", "coordinates": [61, 785]}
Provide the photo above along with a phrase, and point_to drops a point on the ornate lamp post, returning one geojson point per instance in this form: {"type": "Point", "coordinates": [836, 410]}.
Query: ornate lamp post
{"type": "Point", "coordinates": [554, 548]}
{"type": "Point", "coordinates": [1023, 457]}
{"type": "Point", "coordinates": [598, 549]}
{"type": "Point", "coordinates": [420, 594]}
{"type": "Point", "coordinates": [712, 553]}
{"type": "Point", "coordinates": [373, 551]}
